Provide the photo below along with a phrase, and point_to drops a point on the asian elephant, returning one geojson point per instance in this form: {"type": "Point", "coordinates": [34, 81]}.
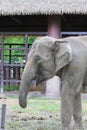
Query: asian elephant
{"type": "Point", "coordinates": [67, 58]}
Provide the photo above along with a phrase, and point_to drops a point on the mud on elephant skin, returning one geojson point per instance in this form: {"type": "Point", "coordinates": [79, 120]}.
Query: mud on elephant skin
{"type": "Point", "coordinates": [46, 58]}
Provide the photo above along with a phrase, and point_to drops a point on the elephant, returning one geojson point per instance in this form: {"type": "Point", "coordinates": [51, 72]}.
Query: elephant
{"type": "Point", "coordinates": [66, 58]}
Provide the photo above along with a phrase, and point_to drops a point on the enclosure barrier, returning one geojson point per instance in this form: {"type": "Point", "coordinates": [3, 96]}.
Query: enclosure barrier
{"type": "Point", "coordinates": [10, 73]}
{"type": "Point", "coordinates": [3, 117]}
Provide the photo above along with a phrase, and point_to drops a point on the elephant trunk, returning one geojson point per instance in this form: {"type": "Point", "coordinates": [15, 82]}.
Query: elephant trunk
{"type": "Point", "coordinates": [27, 77]}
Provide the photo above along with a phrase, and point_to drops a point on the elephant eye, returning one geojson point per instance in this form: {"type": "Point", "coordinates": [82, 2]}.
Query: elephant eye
{"type": "Point", "coordinates": [37, 57]}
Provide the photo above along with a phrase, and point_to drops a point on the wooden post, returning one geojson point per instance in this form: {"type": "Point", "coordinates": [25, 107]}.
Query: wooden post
{"type": "Point", "coordinates": [2, 64]}
{"type": "Point", "coordinates": [3, 116]}
{"type": "Point", "coordinates": [54, 26]}
{"type": "Point", "coordinates": [54, 30]}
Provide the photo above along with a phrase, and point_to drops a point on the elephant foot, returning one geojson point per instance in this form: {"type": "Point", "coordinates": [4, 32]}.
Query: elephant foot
{"type": "Point", "coordinates": [78, 127]}
{"type": "Point", "coordinates": [67, 128]}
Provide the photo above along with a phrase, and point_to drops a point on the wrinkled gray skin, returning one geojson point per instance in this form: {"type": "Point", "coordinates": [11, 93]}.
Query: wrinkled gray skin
{"type": "Point", "coordinates": [46, 58]}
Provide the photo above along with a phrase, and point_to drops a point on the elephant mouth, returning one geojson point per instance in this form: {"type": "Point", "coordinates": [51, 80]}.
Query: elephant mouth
{"type": "Point", "coordinates": [39, 79]}
{"type": "Point", "coordinates": [42, 76]}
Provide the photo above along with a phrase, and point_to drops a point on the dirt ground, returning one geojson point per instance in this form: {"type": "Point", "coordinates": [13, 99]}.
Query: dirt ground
{"type": "Point", "coordinates": [19, 120]}
{"type": "Point", "coordinates": [34, 94]}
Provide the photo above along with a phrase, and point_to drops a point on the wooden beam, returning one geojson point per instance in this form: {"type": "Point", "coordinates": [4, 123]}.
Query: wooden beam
{"type": "Point", "coordinates": [54, 26]}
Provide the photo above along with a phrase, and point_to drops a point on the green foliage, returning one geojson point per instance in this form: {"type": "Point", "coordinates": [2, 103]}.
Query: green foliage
{"type": "Point", "coordinates": [31, 39]}
{"type": "Point", "coordinates": [17, 55]}
{"type": "Point", "coordinates": [13, 88]}
{"type": "Point", "coordinates": [18, 39]}
{"type": "Point", "coordinates": [5, 88]}
{"type": "Point", "coordinates": [14, 39]}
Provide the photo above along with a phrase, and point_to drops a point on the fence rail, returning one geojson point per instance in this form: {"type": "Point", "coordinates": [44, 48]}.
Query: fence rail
{"type": "Point", "coordinates": [11, 72]}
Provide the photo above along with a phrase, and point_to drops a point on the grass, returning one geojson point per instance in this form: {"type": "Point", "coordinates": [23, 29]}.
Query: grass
{"type": "Point", "coordinates": [36, 106]}
{"type": "Point", "coordinates": [40, 114]}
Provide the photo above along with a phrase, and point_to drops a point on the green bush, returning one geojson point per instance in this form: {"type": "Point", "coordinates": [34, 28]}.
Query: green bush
{"type": "Point", "coordinates": [13, 88]}
{"type": "Point", "coordinates": [14, 53]}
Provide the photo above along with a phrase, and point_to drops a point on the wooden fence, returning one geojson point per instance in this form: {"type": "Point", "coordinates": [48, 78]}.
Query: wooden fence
{"type": "Point", "coordinates": [10, 72]}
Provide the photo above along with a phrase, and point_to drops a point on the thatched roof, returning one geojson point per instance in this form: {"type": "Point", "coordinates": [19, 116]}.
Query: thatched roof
{"type": "Point", "coordinates": [29, 7]}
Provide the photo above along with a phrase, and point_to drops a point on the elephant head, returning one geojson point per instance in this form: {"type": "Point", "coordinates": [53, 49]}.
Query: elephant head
{"type": "Point", "coordinates": [46, 57]}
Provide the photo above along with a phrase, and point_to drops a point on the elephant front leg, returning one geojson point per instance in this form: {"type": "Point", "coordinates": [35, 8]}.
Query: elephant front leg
{"type": "Point", "coordinates": [67, 100]}
{"type": "Point", "coordinates": [77, 113]}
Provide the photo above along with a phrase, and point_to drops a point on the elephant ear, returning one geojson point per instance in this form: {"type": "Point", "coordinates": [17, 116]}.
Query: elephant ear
{"type": "Point", "coordinates": [63, 54]}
